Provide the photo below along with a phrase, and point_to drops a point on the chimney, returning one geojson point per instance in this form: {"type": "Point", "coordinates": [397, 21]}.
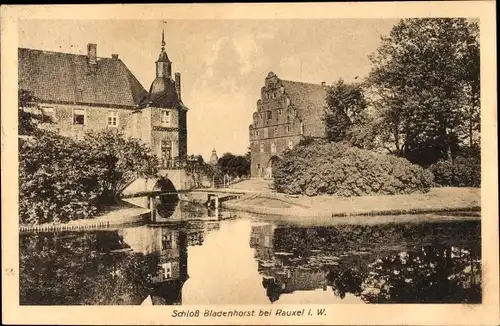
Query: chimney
{"type": "Point", "coordinates": [178, 84]}
{"type": "Point", "coordinates": [114, 56]}
{"type": "Point", "coordinates": [92, 53]}
{"type": "Point", "coordinates": [323, 84]}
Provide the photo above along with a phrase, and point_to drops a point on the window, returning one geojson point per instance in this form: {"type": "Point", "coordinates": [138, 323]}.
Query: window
{"type": "Point", "coordinates": [260, 115]}
{"type": "Point", "coordinates": [269, 114]}
{"type": "Point", "coordinates": [280, 111]}
{"type": "Point", "coordinates": [78, 116]}
{"type": "Point", "coordinates": [287, 128]}
{"type": "Point", "coordinates": [276, 131]}
{"type": "Point", "coordinates": [49, 112]}
{"type": "Point", "coordinates": [112, 118]}
{"type": "Point", "coordinates": [256, 132]}
{"type": "Point", "coordinates": [290, 144]}
{"type": "Point", "coordinates": [165, 117]}
{"type": "Point", "coordinates": [262, 147]}
{"type": "Point", "coordinates": [273, 147]}
{"type": "Point", "coordinates": [301, 128]}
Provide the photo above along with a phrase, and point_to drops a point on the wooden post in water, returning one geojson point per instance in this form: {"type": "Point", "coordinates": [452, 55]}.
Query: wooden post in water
{"type": "Point", "coordinates": [152, 208]}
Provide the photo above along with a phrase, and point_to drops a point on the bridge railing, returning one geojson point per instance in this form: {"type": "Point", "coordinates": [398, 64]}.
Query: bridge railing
{"type": "Point", "coordinates": [172, 164]}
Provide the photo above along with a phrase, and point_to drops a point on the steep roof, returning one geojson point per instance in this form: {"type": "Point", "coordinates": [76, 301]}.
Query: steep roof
{"type": "Point", "coordinates": [305, 95]}
{"type": "Point", "coordinates": [68, 78]}
{"type": "Point", "coordinates": [310, 101]}
{"type": "Point", "coordinates": [163, 94]}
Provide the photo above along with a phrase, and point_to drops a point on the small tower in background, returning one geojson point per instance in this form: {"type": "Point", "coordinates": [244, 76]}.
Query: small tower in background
{"type": "Point", "coordinates": [213, 158]}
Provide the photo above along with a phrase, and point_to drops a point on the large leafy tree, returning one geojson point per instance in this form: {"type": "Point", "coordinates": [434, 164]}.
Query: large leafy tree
{"type": "Point", "coordinates": [124, 160]}
{"type": "Point", "coordinates": [345, 111]}
{"type": "Point", "coordinates": [29, 116]}
{"type": "Point", "coordinates": [425, 85]}
{"type": "Point", "coordinates": [234, 165]}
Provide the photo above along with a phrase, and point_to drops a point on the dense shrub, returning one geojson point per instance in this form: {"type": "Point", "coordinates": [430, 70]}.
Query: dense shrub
{"type": "Point", "coordinates": [459, 172]}
{"type": "Point", "coordinates": [124, 160]}
{"type": "Point", "coordinates": [338, 169]}
{"type": "Point", "coordinates": [62, 180]}
{"type": "Point", "coordinates": [58, 181]}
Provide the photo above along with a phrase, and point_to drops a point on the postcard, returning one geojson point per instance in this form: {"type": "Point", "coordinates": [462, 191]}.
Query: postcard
{"type": "Point", "coordinates": [300, 163]}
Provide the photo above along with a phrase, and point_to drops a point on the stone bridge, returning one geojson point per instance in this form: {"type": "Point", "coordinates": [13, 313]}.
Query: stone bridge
{"type": "Point", "coordinates": [174, 180]}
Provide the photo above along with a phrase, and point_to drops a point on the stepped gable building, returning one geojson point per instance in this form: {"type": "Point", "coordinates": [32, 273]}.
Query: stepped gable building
{"type": "Point", "coordinates": [286, 112]}
{"type": "Point", "coordinates": [84, 93]}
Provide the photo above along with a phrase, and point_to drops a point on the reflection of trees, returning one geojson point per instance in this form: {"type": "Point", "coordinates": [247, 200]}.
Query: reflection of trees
{"type": "Point", "coordinates": [78, 269]}
{"type": "Point", "coordinates": [100, 268]}
{"type": "Point", "coordinates": [446, 268]}
{"type": "Point", "coordinates": [432, 274]}
{"type": "Point", "coordinates": [273, 290]}
{"type": "Point", "coordinates": [344, 280]}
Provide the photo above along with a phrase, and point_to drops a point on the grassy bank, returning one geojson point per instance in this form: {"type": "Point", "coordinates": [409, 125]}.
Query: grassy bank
{"type": "Point", "coordinates": [436, 200]}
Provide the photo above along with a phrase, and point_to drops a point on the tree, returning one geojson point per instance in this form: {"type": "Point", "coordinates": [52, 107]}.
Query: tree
{"type": "Point", "coordinates": [346, 108]}
{"type": "Point", "coordinates": [234, 165]}
{"type": "Point", "coordinates": [28, 116]}
{"type": "Point", "coordinates": [123, 160]}
{"type": "Point", "coordinates": [419, 80]}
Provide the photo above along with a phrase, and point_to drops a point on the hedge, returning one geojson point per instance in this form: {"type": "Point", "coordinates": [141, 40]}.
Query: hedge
{"type": "Point", "coordinates": [317, 168]}
{"type": "Point", "coordinates": [459, 172]}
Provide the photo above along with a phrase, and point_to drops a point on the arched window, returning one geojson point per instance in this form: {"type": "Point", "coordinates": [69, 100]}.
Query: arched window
{"type": "Point", "coordinates": [262, 147]}
{"type": "Point", "coordinates": [290, 144]}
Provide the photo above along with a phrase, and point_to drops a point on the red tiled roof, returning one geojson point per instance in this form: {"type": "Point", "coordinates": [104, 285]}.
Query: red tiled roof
{"type": "Point", "coordinates": [68, 78]}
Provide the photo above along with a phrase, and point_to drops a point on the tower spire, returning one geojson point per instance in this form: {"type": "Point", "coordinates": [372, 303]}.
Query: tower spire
{"type": "Point", "coordinates": [163, 36]}
{"type": "Point", "coordinates": [163, 64]}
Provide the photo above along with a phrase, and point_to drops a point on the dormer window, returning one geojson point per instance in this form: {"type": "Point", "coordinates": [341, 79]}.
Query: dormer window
{"type": "Point", "coordinates": [165, 118]}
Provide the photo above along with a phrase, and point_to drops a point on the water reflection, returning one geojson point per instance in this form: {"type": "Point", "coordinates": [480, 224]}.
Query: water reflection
{"type": "Point", "coordinates": [246, 261]}
{"type": "Point", "coordinates": [107, 267]}
{"type": "Point", "coordinates": [397, 263]}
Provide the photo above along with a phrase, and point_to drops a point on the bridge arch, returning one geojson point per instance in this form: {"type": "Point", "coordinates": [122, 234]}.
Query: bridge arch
{"type": "Point", "coordinates": [166, 204]}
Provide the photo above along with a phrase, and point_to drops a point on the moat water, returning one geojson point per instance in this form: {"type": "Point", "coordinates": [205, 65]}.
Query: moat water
{"type": "Point", "coordinates": [253, 260]}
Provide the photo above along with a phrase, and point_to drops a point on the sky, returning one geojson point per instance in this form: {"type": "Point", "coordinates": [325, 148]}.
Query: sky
{"type": "Point", "coordinates": [223, 63]}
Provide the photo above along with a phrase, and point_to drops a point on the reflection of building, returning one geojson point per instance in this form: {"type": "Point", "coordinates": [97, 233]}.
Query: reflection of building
{"type": "Point", "coordinates": [168, 248]}
{"type": "Point", "coordinates": [286, 112]}
{"type": "Point", "coordinates": [282, 272]}
{"type": "Point", "coordinates": [261, 239]}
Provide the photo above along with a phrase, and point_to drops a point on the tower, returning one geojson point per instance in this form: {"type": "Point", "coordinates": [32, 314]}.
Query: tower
{"type": "Point", "coordinates": [168, 113]}
{"type": "Point", "coordinates": [213, 158]}
{"type": "Point", "coordinates": [163, 64]}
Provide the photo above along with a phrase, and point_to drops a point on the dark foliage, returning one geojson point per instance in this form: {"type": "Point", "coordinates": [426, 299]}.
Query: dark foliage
{"type": "Point", "coordinates": [337, 169]}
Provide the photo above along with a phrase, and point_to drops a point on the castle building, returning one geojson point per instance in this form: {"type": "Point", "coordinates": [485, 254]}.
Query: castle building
{"type": "Point", "coordinates": [85, 93]}
{"type": "Point", "coordinates": [287, 111]}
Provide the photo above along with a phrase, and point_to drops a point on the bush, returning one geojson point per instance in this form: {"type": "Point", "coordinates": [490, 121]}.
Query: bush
{"type": "Point", "coordinates": [338, 169]}
{"type": "Point", "coordinates": [460, 172]}
{"type": "Point", "coordinates": [62, 180]}
{"type": "Point", "coordinates": [58, 181]}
